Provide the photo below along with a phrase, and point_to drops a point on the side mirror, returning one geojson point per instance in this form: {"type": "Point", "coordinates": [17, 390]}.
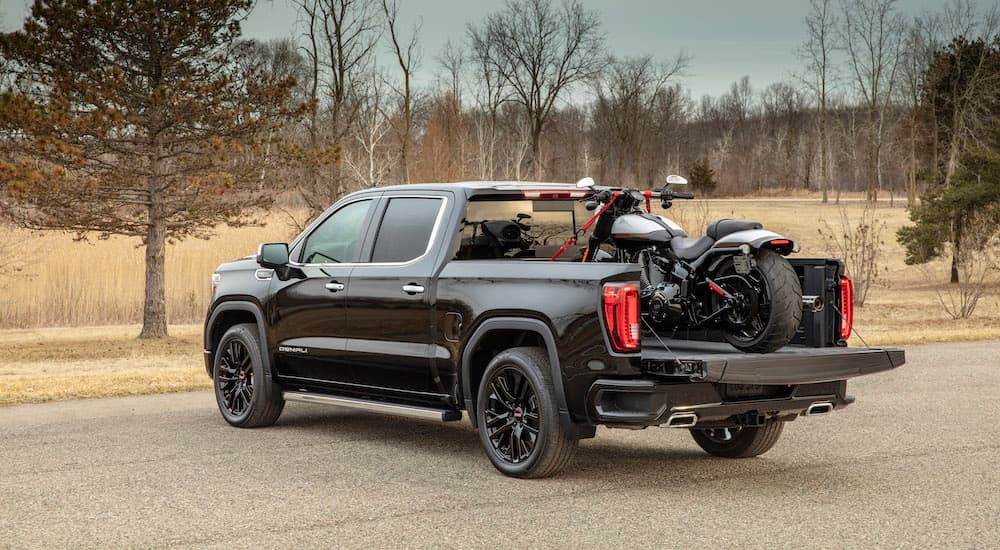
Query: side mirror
{"type": "Point", "coordinates": [586, 182]}
{"type": "Point", "coordinates": [272, 255]}
{"type": "Point", "coordinates": [676, 180]}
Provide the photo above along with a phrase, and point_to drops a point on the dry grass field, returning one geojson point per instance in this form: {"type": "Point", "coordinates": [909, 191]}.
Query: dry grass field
{"type": "Point", "coordinates": [98, 285]}
{"type": "Point", "coordinates": [70, 363]}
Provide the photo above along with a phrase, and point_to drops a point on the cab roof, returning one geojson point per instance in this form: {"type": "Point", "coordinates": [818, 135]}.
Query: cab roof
{"type": "Point", "coordinates": [473, 188]}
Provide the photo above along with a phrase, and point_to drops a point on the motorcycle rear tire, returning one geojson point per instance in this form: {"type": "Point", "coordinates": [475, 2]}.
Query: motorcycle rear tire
{"type": "Point", "coordinates": [785, 293]}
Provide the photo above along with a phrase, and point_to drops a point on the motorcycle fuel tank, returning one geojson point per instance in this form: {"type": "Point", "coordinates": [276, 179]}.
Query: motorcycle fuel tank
{"type": "Point", "coordinates": [646, 228]}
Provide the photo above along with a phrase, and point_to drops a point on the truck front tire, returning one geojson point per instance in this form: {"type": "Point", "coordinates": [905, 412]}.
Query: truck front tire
{"type": "Point", "coordinates": [741, 442]}
{"type": "Point", "coordinates": [246, 397]}
{"type": "Point", "coordinates": [518, 416]}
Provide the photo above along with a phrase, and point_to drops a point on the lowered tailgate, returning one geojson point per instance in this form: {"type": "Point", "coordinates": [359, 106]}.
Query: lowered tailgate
{"type": "Point", "coordinates": [719, 362]}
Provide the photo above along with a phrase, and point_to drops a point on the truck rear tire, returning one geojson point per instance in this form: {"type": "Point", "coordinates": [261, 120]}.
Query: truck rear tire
{"type": "Point", "coordinates": [741, 442]}
{"type": "Point", "coordinates": [518, 416]}
{"type": "Point", "coordinates": [246, 397]}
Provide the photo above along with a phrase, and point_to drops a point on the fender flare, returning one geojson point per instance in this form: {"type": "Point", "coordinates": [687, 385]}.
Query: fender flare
{"type": "Point", "coordinates": [247, 307]}
{"type": "Point", "coordinates": [515, 323]}
{"type": "Point", "coordinates": [756, 238]}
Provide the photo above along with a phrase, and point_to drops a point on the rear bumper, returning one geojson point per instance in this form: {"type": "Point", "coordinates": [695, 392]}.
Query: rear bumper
{"type": "Point", "coordinates": [640, 403]}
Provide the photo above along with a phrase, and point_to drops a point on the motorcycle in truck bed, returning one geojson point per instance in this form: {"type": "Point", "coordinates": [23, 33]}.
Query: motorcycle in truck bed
{"type": "Point", "coordinates": [440, 301]}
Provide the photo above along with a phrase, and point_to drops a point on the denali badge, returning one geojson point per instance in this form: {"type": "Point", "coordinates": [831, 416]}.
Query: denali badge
{"type": "Point", "coordinates": [291, 349]}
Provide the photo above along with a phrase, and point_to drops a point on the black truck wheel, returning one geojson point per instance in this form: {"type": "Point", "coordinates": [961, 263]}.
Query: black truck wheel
{"type": "Point", "coordinates": [770, 308]}
{"type": "Point", "coordinates": [740, 442]}
{"type": "Point", "coordinates": [246, 397]}
{"type": "Point", "coordinates": [518, 416]}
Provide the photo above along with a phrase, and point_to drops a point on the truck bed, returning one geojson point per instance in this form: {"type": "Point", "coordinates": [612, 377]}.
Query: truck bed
{"type": "Point", "coordinates": [720, 362]}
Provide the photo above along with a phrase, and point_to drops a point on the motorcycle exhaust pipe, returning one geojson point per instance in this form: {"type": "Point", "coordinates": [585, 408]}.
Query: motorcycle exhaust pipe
{"type": "Point", "coordinates": [814, 304]}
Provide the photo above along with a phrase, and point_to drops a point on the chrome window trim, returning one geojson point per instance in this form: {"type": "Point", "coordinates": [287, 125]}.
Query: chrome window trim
{"type": "Point", "coordinates": [430, 242]}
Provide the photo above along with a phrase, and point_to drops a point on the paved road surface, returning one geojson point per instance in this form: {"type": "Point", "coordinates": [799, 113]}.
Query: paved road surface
{"type": "Point", "coordinates": [913, 463]}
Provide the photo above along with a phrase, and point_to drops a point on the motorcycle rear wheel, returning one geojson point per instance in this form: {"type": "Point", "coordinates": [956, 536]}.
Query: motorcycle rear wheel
{"type": "Point", "coordinates": [773, 303]}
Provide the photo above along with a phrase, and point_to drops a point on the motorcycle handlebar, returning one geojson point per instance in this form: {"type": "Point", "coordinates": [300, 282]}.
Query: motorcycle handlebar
{"type": "Point", "coordinates": [604, 194]}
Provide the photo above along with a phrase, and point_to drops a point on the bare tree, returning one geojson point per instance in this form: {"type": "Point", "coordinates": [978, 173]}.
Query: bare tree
{"type": "Point", "coordinates": [540, 51]}
{"type": "Point", "coordinates": [341, 36]}
{"type": "Point", "coordinates": [918, 46]}
{"type": "Point", "coordinates": [737, 109]}
{"type": "Point", "coordinates": [448, 111]}
{"type": "Point", "coordinates": [627, 96]}
{"type": "Point", "coordinates": [871, 34]}
{"type": "Point", "coordinates": [817, 53]}
{"type": "Point", "coordinates": [373, 162]}
{"type": "Point", "coordinates": [490, 95]}
{"type": "Point", "coordinates": [452, 59]}
{"type": "Point", "coordinates": [408, 58]}
{"type": "Point", "coordinates": [979, 271]}
{"type": "Point", "coordinates": [782, 114]}
{"type": "Point", "coordinates": [857, 240]}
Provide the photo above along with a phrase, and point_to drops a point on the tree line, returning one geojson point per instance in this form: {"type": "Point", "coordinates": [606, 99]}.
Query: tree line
{"type": "Point", "coordinates": [157, 119]}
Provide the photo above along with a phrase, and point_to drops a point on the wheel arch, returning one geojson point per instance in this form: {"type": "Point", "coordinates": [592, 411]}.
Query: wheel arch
{"type": "Point", "coordinates": [508, 332]}
{"type": "Point", "coordinates": [229, 314]}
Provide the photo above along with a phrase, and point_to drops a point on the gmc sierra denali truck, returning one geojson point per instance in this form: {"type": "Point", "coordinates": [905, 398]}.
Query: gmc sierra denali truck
{"type": "Point", "coordinates": [431, 301]}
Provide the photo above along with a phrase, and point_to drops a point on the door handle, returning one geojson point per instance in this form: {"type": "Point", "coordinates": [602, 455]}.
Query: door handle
{"type": "Point", "coordinates": [335, 286]}
{"type": "Point", "coordinates": [412, 289]}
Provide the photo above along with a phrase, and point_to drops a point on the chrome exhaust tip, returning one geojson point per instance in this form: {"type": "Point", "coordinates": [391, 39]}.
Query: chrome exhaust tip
{"type": "Point", "coordinates": [682, 420]}
{"type": "Point", "coordinates": [814, 304]}
{"type": "Point", "coordinates": [819, 408]}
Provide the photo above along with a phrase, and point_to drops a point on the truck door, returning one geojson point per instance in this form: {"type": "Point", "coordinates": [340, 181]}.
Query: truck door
{"type": "Point", "coordinates": [389, 340]}
{"type": "Point", "coordinates": [309, 310]}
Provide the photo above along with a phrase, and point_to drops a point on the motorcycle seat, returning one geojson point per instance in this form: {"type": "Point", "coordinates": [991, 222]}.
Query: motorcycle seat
{"type": "Point", "coordinates": [721, 228]}
{"type": "Point", "coordinates": [687, 248]}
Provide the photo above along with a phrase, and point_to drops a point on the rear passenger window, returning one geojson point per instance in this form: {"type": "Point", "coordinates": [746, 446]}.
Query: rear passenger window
{"type": "Point", "coordinates": [405, 231]}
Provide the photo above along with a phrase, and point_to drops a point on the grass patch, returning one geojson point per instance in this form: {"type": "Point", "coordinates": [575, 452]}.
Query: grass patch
{"type": "Point", "coordinates": [74, 363]}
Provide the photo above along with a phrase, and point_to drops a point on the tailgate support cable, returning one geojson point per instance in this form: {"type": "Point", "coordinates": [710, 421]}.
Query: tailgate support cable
{"type": "Point", "coordinates": [660, 340]}
{"type": "Point", "coordinates": [854, 331]}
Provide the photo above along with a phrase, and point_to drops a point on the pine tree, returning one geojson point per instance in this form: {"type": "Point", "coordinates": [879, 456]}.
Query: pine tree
{"type": "Point", "coordinates": [956, 213]}
{"type": "Point", "coordinates": [962, 101]}
{"type": "Point", "coordinates": [701, 176]}
{"type": "Point", "coordinates": [137, 118]}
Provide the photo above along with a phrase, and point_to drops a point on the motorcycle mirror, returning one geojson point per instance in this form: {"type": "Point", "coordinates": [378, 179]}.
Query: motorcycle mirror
{"type": "Point", "coordinates": [522, 216]}
{"type": "Point", "coordinates": [586, 182]}
{"type": "Point", "coordinates": [673, 179]}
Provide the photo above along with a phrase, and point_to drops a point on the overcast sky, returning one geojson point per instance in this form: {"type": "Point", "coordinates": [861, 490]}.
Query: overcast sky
{"type": "Point", "coordinates": [727, 38]}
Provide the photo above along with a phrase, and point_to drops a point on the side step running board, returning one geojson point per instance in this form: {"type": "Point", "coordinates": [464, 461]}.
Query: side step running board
{"type": "Point", "coordinates": [412, 411]}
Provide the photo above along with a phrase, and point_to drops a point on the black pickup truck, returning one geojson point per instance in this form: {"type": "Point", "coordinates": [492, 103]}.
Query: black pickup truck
{"type": "Point", "coordinates": [430, 300]}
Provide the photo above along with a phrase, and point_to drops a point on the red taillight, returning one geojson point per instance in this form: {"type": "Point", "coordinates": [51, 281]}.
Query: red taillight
{"type": "Point", "coordinates": [621, 315]}
{"type": "Point", "coordinates": [846, 307]}
{"type": "Point", "coordinates": [780, 242]}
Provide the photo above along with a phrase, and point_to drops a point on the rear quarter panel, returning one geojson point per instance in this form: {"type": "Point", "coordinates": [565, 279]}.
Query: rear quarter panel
{"type": "Point", "coordinates": [563, 295]}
